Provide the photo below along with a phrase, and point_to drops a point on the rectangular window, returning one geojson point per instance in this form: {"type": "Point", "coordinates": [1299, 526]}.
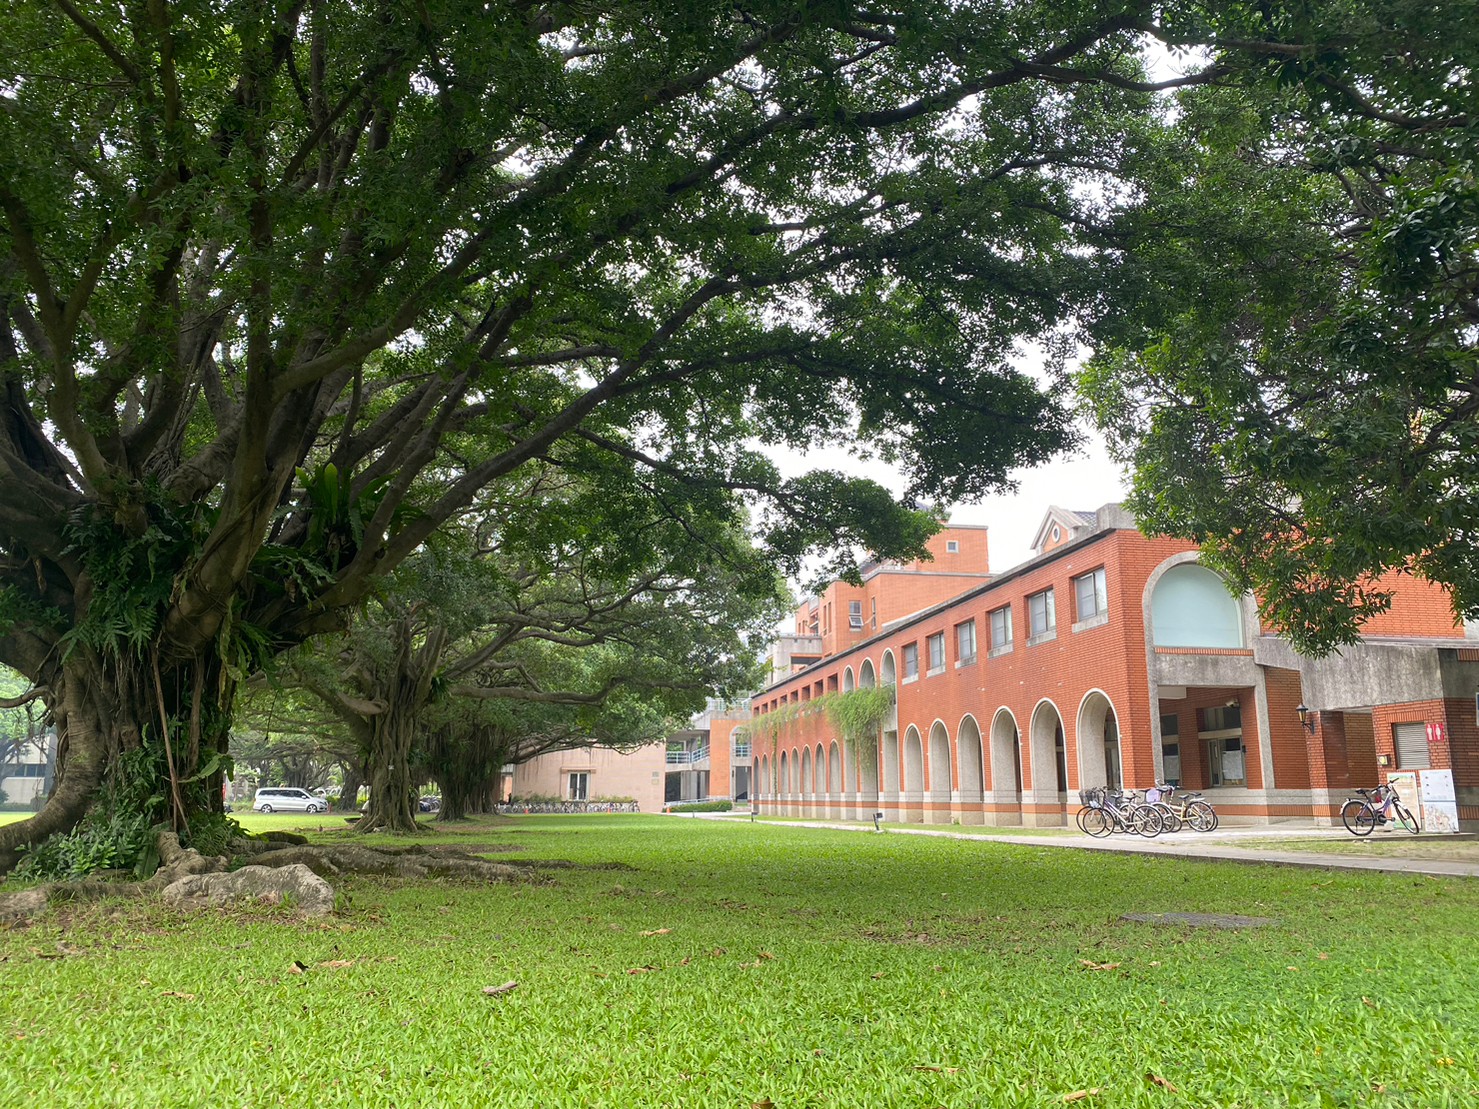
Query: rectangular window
{"type": "Point", "coordinates": [1042, 615]}
{"type": "Point", "coordinates": [936, 645]}
{"type": "Point", "coordinates": [579, 785]}
{"type": "Point", "coordinates": [952, 546]}
{"type": "Point", "coordinates": [965, 641]}
{"type": "Point", "coordinates": [1411, 741]}
{"type": "Point", "coordinates": [855, 615]}
{"type": "Point", "coordinates": [1090, 598]}
{"type": "Point", "coordinates": [1001, 628]}
{"type": "Point", "coordinates": [911, 660]}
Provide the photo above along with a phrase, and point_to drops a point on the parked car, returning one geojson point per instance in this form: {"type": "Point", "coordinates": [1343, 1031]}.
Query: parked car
{"type": "Point", "coordinates": [287, 799]}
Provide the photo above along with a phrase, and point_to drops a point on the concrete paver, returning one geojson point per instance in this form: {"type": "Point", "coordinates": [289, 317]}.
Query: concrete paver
{"type": "Point", "coordinates": [1234, 845]}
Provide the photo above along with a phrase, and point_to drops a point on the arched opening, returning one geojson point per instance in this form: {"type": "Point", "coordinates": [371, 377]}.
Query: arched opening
{"type": "Point", "coordinates": [836, 787]}
{"type": "Point", "coordinates": [784, 785]}
{"type": "Point", "coordinates": [847, 680]}
{"type": "Point", "coordinates": [938, 809]}
{"type": "Point", "coordinates": [1097, 737]}
{"type": "Point", "coordinates": [1006, 768]}
{"type": "Point", "coordinates": [1190, 606]}
{"type": "Point", "coordinates": [866, 677]}
{"type": "Point", "coordinates": [912, 801]}
{"type": "Point", "coordinates": [888, 675]}
{"type": "Point", "coordinates": [971, 756]}
{"type": "Point", "coordinates": [1046, 769]}
{"type": "Point", "coordinates": [808, 783]}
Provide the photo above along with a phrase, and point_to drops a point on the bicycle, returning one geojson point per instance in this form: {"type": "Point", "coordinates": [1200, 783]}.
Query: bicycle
{"type": "Point", "coordinates": [1105, 812]}
{"type": "Point", "coordinates": [1184, 808]}
{"type": "Point", "coordinates": [1381, 805]}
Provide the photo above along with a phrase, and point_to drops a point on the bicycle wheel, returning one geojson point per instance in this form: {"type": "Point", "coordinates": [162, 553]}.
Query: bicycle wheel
{"type": "Point", "coordinates": [1201, 816]}
{"type": "Point", "coordinates": [1358, 817]}
{"type": "Point", "coordinates": [1169, 817]}
{"type": "Point", "coordinates": [1147, 821]}
{"type": "Point", "coordinates": [1079, 818]}
{"type": "Point", "coordinates": [1095, 822]}
{"type": "Point", "coordinates": [1403, 816]}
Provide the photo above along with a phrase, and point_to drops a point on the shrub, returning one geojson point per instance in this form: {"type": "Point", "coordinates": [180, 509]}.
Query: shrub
{"type": "Point", "coordinates": [702, 806]}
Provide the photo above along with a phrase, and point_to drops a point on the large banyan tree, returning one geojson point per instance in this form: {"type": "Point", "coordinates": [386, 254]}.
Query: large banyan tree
{"type": "Point", "coordinates": [283, 286]}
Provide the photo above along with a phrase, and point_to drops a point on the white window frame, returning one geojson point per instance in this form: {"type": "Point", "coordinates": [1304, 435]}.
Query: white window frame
{"type": "Point", "coordinates": [909, 662]}
{"type": "Point", "coordinates": [1043, 604]}
{"type": "Point", "coordinates": [1097, 611]}
{"type": "Point", "coordinates": [965, 653]}
{"type": "Point", "coordinates": [935, 652]}
{"type": "Point", "coordinates": [580, 791]}
{"type": "Point", "coordinates": [855, 615]}
{"type": "Point", "coordinates": [1002, 644]}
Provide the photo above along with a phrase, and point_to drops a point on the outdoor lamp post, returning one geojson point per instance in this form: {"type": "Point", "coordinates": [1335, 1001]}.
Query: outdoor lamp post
{"type": "Point", "coordinates": [1305, 714]}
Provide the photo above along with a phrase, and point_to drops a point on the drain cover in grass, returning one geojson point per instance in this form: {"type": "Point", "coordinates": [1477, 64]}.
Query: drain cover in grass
{"type": "Point", "coordinates": [1202, 920]}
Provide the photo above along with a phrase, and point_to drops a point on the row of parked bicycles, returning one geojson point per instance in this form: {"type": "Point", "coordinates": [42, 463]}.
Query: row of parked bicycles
{"type": "Point", "coordinates": [1144, 812]}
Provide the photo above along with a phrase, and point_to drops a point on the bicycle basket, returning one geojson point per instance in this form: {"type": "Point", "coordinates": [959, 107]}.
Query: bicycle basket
{"type": "Point", "coordinates": [1093, 798]}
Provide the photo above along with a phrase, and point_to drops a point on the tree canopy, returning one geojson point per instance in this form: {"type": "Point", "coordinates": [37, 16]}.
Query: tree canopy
{"type": "Point", "coordinates": [1291, 369]}
{"type": "Point", "coordinates": [284, 288]}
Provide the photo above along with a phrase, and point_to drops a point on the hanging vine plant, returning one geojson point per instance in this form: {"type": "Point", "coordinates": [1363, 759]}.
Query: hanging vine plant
{"type": "Point", "coordinates": [858, 715]}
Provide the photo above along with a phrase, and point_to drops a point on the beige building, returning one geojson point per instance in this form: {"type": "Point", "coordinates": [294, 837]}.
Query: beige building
{"type": "Point", "coordinates": [708, 760]}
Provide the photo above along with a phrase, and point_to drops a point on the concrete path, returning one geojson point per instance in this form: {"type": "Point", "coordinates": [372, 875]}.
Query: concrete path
{"type": "Point", "coordinates": [1234, 845]}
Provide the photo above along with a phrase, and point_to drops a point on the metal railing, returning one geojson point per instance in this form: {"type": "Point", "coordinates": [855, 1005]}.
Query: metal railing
{"type": "Point", "coordinates": [687, 758]}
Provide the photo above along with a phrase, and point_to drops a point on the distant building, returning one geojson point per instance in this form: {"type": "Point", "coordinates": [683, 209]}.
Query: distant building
{"type": "Point", "coordinates": [707, 761]}
{"type": "Point", "coordinates": [1112, 658]}
{"type": "Point", "coordinates": [29, 771]}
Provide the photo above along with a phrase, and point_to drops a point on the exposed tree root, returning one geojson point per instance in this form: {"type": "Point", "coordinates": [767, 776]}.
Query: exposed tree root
{"type": "Point", "coordinates": [273, 850]}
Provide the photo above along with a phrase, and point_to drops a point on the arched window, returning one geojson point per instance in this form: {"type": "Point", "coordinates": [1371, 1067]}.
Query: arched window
{"type": "Point", "coordinates": [1191, 607]}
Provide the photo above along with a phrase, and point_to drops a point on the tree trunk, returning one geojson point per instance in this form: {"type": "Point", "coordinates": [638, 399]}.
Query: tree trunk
{"type": "Point", "coordinates": [392, 806]}
{"type": "Point", "coordinates": [104, 709]}
{"type": "Point", "coordinates": [354, 777]}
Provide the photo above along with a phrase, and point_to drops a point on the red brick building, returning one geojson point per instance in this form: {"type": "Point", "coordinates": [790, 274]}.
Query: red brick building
{"type": "Point", "coordinates": [1108, 658]}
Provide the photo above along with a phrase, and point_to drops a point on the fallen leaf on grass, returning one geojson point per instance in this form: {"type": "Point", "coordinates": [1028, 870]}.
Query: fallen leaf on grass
{"type": "Point", "coordinates": [336, 964]}
{"type": "Point", "coordinates": [766, 1104]}
{"type": "Point", "coordinates": [642, 970]}
{"type": "Point", "coordinates": [1157, 1080]}
{"type": "Point", "coordinates": [935, 1069]}
{"type": "Point", "coordinates": [493, 991]}
{"type": "Point", "coordinates": [1079, 1095]}
{"type": "Point", "coordinates": [1089, 964]}
{"type": "Point", "coordinates": [298, 968]}
{"type": "Point", "coordinates": [658, 932]}
{"type": "Point", "coordinates": [177, 993]}
{"type": "Point", "coordinates": [718, 951]}
{"type": "Point", "coordinates": [877, 976]}
{"type": "Point", "coordinates": [1366, 1001]}
{"type": "Point", "coordinates": [765, 955]}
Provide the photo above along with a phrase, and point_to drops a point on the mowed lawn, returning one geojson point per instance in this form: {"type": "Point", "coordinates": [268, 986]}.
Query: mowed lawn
{"type": "Point", "coordinates": [689, 962]}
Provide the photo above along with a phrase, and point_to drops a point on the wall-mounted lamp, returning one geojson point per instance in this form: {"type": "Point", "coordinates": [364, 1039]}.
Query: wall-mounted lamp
{"type": "Point", "coordinates": [1383, 759]}
{"type": "Point", "coordinates": [1306, 717]}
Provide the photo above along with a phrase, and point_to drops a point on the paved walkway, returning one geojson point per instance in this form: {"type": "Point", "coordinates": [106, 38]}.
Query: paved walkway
{"type": "Point", "coordinates": [1236, 845]}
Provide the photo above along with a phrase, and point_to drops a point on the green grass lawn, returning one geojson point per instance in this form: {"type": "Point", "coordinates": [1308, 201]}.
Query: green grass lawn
{"type": "Point", "coordinates": [716, 963]}
{"type": "Point", "coordinates": [1378, 845]}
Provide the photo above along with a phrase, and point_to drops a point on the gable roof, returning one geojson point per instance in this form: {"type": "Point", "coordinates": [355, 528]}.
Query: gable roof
{"type": "Point", "coordinates": [1069, 520]}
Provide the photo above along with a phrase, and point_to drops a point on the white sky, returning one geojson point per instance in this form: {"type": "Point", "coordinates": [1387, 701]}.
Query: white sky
{"type": "Point", "coordinates": [1083, 481]}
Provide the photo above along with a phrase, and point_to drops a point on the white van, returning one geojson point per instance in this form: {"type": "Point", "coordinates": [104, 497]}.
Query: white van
{"type": "Point", "coordinates": [287, 799]}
